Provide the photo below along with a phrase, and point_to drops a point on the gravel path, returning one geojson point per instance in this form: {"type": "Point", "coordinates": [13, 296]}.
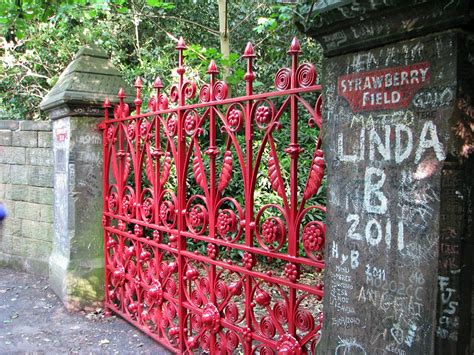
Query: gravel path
{"type": "Point", "coordinates": [33, 320]}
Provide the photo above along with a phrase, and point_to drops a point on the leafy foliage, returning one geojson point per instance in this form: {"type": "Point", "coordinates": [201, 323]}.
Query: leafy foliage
{"type": "Point", "coordinates": [40, 37]}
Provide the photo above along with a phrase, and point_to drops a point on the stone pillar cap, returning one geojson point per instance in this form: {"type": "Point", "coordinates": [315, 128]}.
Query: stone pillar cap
{"type": "Point", "coordinates": [87, 81]}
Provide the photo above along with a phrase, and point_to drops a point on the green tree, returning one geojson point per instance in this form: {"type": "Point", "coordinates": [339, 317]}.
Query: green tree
{"type": "Point", "coordinates": [39, 38]}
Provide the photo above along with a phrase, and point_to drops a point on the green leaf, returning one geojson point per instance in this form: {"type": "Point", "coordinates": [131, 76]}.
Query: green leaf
{"type": "Point", "coordinates": [160, 4]}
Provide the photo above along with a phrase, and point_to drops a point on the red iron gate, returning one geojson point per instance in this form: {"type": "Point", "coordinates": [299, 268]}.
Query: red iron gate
{"type": "Point", "coordinates": [213, 219]}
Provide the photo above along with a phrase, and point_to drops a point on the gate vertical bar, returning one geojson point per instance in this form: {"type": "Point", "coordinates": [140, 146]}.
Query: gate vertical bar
{"type": "Point", "coordinates": [212, 153]}
{"type": "Point", "coordinates": [181, 46]}
{"type": "Point", "coordinates": [293, 150]}
{"type": "Point", "coordinates": [105, 191]}
{"type": "Point", "coordinates": [137, 168]}
{"type": "Point", "coordinates": [137, 159]}
{"type": "Point", "coordinates": [157, 153]}
{"type": "Point", "coordinates": [120, 184]}
{"type": "Point", "coordinates": [249, 212]}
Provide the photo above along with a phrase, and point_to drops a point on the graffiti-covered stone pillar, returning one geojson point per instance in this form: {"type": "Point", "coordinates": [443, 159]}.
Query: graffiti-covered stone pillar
{"type": "Point", "coordinates": [398, 123]}
{"type": "Point", "coordinates": [74, 104]}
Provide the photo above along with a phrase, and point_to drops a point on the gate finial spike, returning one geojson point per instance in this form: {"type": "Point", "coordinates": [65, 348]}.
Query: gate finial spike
{"type": "Point", "coordinates": [295, 47]}
{"type": "Point", "coordinates": [249, 75]}
{"type": "Point", "coordinates": [212, 68]}
{"type": "Point", "coordinates": [181, 44]}
{"type": "Point", "coordinates": [248, 52]}
{"type": "Point", "coordinates": [106, 103]}
{"type": "Point", "coordinates": [138, 100]}
{"type": "Point", "coordinates": [157, 84]}
{"type": "Point", "coordinates": [106, 107]}
{"type": "Point", "coordinates": [138, 82]}
{"type": "Point", "coordinates": [121, 93]}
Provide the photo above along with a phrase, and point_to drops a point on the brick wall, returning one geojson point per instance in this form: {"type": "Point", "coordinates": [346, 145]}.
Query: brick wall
{"type": "Point", "coordinates": [26, 188]}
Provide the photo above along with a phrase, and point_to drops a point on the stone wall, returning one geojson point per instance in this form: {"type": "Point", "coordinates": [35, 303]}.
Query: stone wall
{"type": "Point", "coordinates": [26, 188]}
{"type": "Point", "coordinates": [398, 147]}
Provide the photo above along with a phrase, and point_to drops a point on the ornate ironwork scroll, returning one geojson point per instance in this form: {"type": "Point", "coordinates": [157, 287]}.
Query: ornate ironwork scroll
{"type": "Point", "coordinates": [213, 214]}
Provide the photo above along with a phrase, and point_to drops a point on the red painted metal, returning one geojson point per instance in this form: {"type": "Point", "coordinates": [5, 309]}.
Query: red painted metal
{"type": "Point", "coordinates": [200, 269]}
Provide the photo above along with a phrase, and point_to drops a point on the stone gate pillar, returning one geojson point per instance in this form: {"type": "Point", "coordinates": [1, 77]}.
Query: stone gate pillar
{"type": "Point", "coordinates": [398, 128]}
{"type": "Point", "coordinates": [74, 104]}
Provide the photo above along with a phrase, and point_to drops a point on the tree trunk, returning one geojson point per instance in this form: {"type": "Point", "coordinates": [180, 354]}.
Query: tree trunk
{"type": "Point", "coordinates": [224, 34]}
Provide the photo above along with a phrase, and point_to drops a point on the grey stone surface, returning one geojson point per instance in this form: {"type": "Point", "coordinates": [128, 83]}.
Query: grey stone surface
{"type": "Point", "coordinates": [46, 215]}
{"type": "Point", "coordinates": [41, 195]}
{"type": "Point", "coordinates": [34, 194]}
{"type": "Point", "coordinates": [39, 156]}
{"type": "Point", "coordinates": [76, 263]}
{"type": "Point", "coordinates": [84, 85]}
{"type": "Point", "coordinates": [39, 249]}
{"type": "Point", "coordinates": [10, 230]}
{"type": "Point", "coordinates": [4, 173]}
{"type": "Point", "coordinates": [9, 125]}
{"type": "Point", "coordinates": [37, 230]}
{"type": "Point", "coordinates": [77, 219]}
{"type": "Point", "coordinates": [45, 139]}
{"type": "Point", "coordinates": [40, 176]}
{"type": "Point", "coordinates": [19, 175]}
{"type": "Point", "coordinates": [394, 166]}
{"type": "Point", "coordinates": [12, 155]}
{"type": "Point", "coordinates": [35, 125]}
{"type": "Point", "coordinates": [27, 210]}
{"type": "Point", "coordinates": [25, 236]}
{"type": "Point", "coordinates": [5, 137]}
{"type": "Point", "coordinates": [19, 246]}
{"type": "Point", "coordinates": [25, 138]}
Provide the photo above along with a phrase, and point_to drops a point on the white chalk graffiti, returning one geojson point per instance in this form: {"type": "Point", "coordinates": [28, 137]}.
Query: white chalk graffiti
{"type": "Point", "coordinates": [429, 128]}
{"type": "Point", "coordinates": [434, 99]}
{"type": "Point", "coordinates": [373, 120]}
{"type": "Point", "coordinates": [382, 150]}
{"type": "Point", "coordinates": [448, 322]}
{"type": "Point", "coordinates": [374, 233]}
{"type": "Point", "coordinates": [374, 199]}
{"type": "Point", "coordinates": [349, 346]}
{"type": "Point", "coordinates": [88, 139]}
{"type": "Point", "coordinates": [335, 39]}
{"type": "Point", "coordinates": [394, 158]}
{"type": "Point", "coordinates": [415, 199]}
{"type": "Point", "coordinates": [420, 252]}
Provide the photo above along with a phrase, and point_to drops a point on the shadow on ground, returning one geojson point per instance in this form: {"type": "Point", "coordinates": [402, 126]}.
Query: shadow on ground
{"type": "Point", "coordinates": [33, 320]}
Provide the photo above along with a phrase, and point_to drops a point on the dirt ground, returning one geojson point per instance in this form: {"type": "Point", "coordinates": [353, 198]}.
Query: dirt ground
{"type": "Point", "coordinates": [33, 320]}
